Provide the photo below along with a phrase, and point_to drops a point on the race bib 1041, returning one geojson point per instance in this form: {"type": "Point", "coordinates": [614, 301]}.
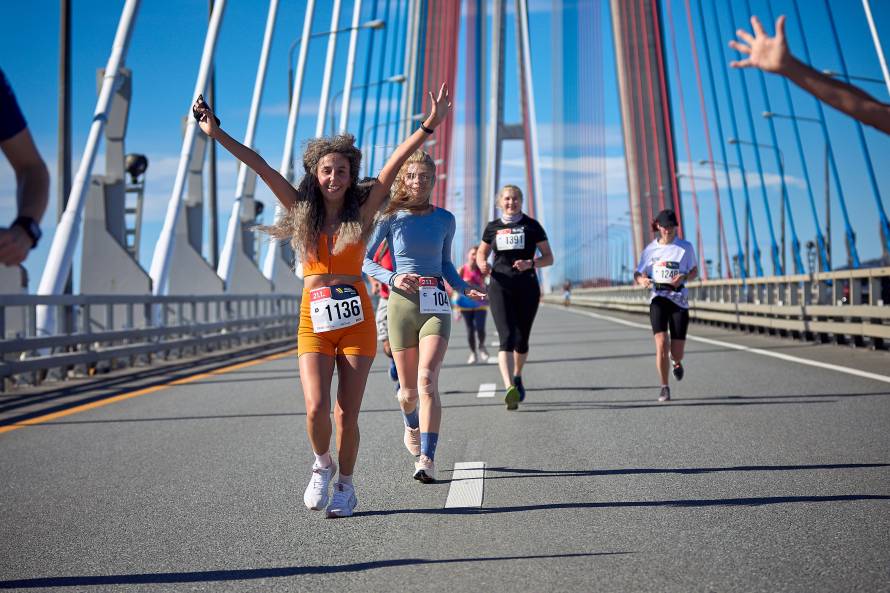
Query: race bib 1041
{"type": "Point", "coordinates": [665, 271]}
{"type": "Point", "coordinates": [335, 307]}
{"type": "Point", "coordinates": [507, 239]}
{"type": "Point", "coordinates": [433, 298]}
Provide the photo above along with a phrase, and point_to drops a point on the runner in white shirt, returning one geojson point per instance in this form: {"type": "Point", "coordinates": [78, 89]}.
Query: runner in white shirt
{"type": "Point", "coordinates": [665, 266]}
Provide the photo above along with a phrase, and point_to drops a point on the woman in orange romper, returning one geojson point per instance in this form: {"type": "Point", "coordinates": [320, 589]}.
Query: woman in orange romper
{"type": "Point", "coordinates": [328, 218]}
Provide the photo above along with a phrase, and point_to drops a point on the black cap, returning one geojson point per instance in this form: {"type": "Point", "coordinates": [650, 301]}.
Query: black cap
{"type": "Point", "coordinates": [667, 218]}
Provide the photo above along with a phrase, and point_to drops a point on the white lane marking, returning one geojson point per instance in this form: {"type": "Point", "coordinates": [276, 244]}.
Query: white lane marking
{"type": "Point", "coordinates": [779, 355]}
{"type": "Point", "coordinates": [467, 482]}
{"type": "Point", "coordinates": [487, 390]}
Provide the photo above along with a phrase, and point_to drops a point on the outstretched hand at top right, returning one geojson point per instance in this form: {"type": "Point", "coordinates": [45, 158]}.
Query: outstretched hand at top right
{"type": "Point", "coordinates": [770, 54]}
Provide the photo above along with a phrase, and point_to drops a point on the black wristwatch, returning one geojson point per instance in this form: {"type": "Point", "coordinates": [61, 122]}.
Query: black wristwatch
{"type": "Point", "coordinates": [30, 226]}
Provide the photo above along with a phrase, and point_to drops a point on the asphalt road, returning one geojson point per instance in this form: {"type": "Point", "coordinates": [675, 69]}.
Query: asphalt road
{"type": "Point", "coordinates": [762, 475]}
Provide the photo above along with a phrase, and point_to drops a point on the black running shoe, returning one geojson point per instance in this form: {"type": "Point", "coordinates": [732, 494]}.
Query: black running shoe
{"type": "Point", "coordinates": [665, 395]}
{"type": "Point", "coordinates": [517, 381]}
{"type": "Point", "coordinates": [679, 371]}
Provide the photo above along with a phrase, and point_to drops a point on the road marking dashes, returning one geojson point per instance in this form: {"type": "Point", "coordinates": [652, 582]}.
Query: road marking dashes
{"type": "Point", "coordinates": [467, 482]}
{"type": "Point", "coordinates": [487, 390]}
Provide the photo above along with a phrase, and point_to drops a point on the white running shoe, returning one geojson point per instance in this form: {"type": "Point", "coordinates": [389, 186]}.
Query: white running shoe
{"type": "Point", "coordinates": [483, 355]}
{"type": "Point", "coordinates": [472, 358]}
{"type": "Point", "coordinates": [425, 470]}
{"type": "Point", "coordinates": [343, 501]}
{"type": "Point", "coordinates": [316, 495]}
{"type": "Point", "coordinates": [412, 440]}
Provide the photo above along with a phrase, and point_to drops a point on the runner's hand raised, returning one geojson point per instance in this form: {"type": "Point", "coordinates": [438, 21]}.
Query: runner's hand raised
{"type": "Point", "coordinates": [440, 106]}
{"type": "Point", "coordinates": [208, 122]}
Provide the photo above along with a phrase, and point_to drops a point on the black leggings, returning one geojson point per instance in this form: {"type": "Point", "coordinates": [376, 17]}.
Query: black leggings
{"type": "Point", "coordinates": [665, 314]}
{"type": "Point", "coordinates": [474, 319]}
{"type": "Point", "coordinates": [514, 305]}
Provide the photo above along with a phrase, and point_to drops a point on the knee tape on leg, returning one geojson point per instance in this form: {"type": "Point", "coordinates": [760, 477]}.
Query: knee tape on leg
{"type": "Point", "coordinates": [407, 395]}
{"type": "Point", "coordinates": [426, 382]}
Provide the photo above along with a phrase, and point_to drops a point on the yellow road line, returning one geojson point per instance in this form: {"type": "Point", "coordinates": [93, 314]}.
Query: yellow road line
{"type": "Point", "coordinates": [124, 396]}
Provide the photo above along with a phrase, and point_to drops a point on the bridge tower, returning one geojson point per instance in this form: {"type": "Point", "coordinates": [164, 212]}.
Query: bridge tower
{"type": "Point", "coordinates": [500, 131]}
{"type": "Point", "coordinates": [645, 114]}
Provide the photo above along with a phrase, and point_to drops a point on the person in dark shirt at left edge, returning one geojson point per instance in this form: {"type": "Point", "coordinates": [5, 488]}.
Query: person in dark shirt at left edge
{"type": "Point", "coordinates": [31, 177]}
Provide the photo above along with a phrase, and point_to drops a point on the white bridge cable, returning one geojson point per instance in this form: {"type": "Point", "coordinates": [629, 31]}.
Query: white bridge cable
{"type": "Point", "coordinates": [877, 41]}
{"type": "Point", "coordinates": [61, 252]}
{"type": "Point", "coordinates": [272, 252]}
{"type": "Point", "coordinates": [350, 68]}
{"type": "Point", "coordinates": [224, 270]}
{"type": "Point", "coordinates": [160, 263]}
{"type": "Point", "coordinates": [328, 71]}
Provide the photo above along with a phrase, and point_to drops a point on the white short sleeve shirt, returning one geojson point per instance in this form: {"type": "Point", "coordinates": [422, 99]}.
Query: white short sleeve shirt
{"type": "Point", "coordinates": [663, 262]}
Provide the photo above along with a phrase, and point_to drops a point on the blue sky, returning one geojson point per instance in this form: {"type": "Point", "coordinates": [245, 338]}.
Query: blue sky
{"type": "Point", "coordinates": [165, 51]}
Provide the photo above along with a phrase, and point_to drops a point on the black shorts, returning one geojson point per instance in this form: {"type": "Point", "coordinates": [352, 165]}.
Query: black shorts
{"type": "Point", "coordinates": [666, 314]}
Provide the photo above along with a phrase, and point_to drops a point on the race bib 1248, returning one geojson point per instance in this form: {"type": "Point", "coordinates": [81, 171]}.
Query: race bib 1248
{"type": "Point", "coordinates": [665, 271]}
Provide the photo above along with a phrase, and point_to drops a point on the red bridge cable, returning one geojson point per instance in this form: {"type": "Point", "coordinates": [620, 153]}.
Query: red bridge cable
{"type": "Point", "coordinates": [630, 136]}
{"type": "Point", "coordinates": [644, 192]}
{"type": "Point", "coordinates": [447, 47]}
{"type": "Point", "coordinates": [656, 136]}
{"type": "Point", "coordinates": [679, 87]}
{"type": "Point", "coordinates": [453, 40]}
{"type": "Point", "coordinates": [668, 124]}
{"type": "Point", "coordinates": [470, 190]}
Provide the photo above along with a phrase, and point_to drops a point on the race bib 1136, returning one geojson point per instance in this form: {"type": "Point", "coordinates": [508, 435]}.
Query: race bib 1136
{"type": "Point", "coordinates": [335, 307]}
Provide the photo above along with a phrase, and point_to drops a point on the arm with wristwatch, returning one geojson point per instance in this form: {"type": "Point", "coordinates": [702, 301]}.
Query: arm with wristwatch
{"type": "Point", "coordinates": [545, 259]}
{"type": "Point", "coordinates": [32, 180]}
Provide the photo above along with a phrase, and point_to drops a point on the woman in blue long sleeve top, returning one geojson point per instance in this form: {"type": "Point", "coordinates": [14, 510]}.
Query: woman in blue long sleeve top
{"type": "Point", "coordinates": [419, 310]}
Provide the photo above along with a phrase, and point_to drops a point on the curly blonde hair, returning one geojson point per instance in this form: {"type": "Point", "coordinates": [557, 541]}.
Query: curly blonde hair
{"type": "Point", "coordinates": [399, 199]}
{"type": "Point", "coordinates": [301, 225]}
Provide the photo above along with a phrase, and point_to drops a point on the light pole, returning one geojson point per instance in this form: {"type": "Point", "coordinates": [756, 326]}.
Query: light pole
{"type": "Point", "coordinates": [761, 145]}
{"type": "Point", "coordinates": [811, 256]}
{"type": "Point", "coordinates": [394, 79]}
{"type": "Point", "coordinates": [719, 231]}
{"type": "Point", "coordinates": [622, 246]}
{"type": "Point", "coordinates": [415, 117]}
{"type": "Point", "coordinates": [747, 223]}
{"type": "Point", "coordinates": [826, 241]}
{"type": "Point", "coordinates": [782, 172]}
{"type": "Point", "coordinates": [375, 25]}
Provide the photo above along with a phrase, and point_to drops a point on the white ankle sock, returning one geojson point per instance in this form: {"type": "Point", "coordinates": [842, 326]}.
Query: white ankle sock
{"type": "Point", "coordinates": [344, 479]}
{"type": "Point", "coordinates": [323, 460]}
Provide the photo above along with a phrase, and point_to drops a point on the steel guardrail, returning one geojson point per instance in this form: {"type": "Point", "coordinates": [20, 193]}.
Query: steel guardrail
{"type": "Point", "coordinates": [849, 306]}
{"type": "Point", "coordinates": [124, 330]}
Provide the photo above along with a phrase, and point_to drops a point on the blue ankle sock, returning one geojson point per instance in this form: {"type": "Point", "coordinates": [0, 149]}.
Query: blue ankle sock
{"type": "Point", "coordinates": [412, 420]}
{"type": "Point", "coordinates": [428, 442]}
